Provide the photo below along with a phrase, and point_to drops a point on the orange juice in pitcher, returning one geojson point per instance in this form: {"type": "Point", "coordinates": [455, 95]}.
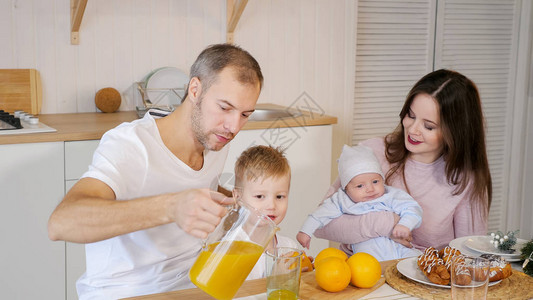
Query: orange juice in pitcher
{"type": "Point", "coordinates": [231, 251]}
{"type": "Point", "coordinates": [236, 255]}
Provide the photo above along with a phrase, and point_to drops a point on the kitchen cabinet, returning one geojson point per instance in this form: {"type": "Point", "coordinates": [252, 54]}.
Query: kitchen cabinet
{"type": "Point", "coordinates": [32, 183]}
{"type": "Point", "coordinates": [34, 177]}
{"type": "Point", "coordinates": [308, 150]}
{"type": "Point", "coordinates": [78, 156]}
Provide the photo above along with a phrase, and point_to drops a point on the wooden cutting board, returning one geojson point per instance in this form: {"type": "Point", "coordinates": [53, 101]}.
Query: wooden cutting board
{"type": "Point", "coordinates": [309, 289]}
{"type": "Point", "coordinates": [20, 89]}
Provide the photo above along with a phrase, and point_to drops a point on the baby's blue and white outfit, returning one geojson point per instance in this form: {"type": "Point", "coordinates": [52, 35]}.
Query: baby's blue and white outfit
{"type": "Point", "coordinates": [360, 160]}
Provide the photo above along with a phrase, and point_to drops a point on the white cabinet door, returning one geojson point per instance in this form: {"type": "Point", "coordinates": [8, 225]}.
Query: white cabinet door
{"type": "Point", "coordinates": [78, 156]}
{"type": "Point", "coordinates": [74, 259]}
{"type": "Point", "coordinates": [32, 183]}
{"type": "Point", "coordinates": [308, 150]}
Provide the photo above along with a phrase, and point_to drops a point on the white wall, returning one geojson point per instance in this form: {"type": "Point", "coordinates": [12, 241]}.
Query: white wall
{"type": "Point", "coordinates": [302, 46]}
{"type": "Point", "coordinates": [121, 41]}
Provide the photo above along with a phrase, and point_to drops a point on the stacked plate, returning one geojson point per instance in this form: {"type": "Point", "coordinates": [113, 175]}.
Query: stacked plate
{"type": "Point", "coordinates": [166, 86]}
{"type": "Point", "coordinates": [480, 244]}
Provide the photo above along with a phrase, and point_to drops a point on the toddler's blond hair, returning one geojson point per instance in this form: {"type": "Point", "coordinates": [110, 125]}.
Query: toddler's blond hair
{"type": "Point", "coordinates": [261, 162]}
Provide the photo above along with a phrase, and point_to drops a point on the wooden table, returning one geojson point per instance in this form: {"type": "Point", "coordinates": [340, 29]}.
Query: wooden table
{"type": "Point", "coordinates": [258, 286]}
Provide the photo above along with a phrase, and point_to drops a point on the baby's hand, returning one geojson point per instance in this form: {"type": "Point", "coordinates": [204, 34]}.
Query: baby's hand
{"type": "Point", "coordinates": [303, 239]}
{"type": "Point", "coordinates": [401, 231]}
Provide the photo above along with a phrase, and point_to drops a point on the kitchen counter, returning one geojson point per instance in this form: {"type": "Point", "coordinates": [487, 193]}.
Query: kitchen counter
{"type": "Point", "coordinates": [91, 126]}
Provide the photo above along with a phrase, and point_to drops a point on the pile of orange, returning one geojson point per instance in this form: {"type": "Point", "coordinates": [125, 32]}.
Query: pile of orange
{"type": "Point", "coordinates": [334, 270]}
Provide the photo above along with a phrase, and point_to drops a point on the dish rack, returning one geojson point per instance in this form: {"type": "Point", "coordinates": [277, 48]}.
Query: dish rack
{"type": "Point", "coordinates": [165, 99]}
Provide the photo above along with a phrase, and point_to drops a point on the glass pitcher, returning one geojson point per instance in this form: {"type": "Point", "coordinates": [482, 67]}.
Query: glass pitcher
{"type": "Point", "coordinates": [231, 251]}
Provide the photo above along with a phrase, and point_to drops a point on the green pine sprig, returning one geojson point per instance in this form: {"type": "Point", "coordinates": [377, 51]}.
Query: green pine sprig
{"type": "Point", "coordinates": [526, 255]}
{"type": "Point", "coordinates": [504, 242]}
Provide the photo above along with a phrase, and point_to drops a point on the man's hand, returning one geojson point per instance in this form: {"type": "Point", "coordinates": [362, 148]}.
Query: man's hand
{"type": "Point", "coordinates": [303, 239]}
{"type": "Point", "coordinates": [199, 211]}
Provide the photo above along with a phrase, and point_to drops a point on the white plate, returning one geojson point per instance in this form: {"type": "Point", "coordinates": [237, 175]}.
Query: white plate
{"type": "Point", "coordinates": [459, 244]}
{"type": "Point", "coordinates": [482, 244]}
{"type": "Point", "coordinates": [163, 84]}
{"type": "Point", "coordinates": [409, 269]}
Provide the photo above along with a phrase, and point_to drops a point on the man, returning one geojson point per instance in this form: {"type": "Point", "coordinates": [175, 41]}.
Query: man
{"type": "Point", "coordinates": [149, 196]}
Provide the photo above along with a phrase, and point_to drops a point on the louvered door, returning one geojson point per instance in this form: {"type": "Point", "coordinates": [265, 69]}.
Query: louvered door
{"type": "Point", "coordinates": [394, 48]}
{"type": "Point", "coordinates": [479, 39]}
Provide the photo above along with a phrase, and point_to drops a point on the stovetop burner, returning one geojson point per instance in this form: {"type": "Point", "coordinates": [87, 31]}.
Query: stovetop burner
{"type": "Point", "coordinates": [20, 123]}
{"type": "Point", "coordinates": [8, 121]}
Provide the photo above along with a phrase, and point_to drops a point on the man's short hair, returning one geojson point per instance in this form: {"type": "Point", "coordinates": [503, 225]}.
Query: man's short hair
{"type": "Point", "coordinates": [215, 58]}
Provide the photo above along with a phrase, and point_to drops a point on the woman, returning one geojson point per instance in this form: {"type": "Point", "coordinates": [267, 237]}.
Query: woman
{"type": "Point", "coordinates": [437, 154]}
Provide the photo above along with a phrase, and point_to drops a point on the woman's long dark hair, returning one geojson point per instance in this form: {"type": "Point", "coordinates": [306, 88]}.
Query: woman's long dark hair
{"type": "Point", "coordinates": [463, 133]}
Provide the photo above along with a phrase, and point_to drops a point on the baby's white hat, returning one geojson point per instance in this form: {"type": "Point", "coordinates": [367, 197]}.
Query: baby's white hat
{"type": "Point", "coordinates": [357, 160]}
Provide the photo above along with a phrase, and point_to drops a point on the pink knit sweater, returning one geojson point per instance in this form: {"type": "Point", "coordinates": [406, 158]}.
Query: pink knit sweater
{"type": "Point", "coordinates": [445, 216]}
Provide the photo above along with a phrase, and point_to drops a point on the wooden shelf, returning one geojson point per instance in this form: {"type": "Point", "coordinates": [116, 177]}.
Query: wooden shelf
{"type": "Point", "coordinates": [234, 9]}
{"type": "Point", "coordinates": [77, 8]}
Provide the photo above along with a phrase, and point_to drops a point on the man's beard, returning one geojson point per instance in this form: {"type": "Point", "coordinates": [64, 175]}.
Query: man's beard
{"type": "Point", "coordinates": [197, 124]}
{"type": "Point", "coordinates": [199, 132]}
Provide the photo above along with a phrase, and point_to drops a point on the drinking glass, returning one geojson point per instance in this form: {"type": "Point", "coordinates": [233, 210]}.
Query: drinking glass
{"type": "Point", "coordinates": [469, 277]}
{"type": "Point", "coordinates": [283, 273]}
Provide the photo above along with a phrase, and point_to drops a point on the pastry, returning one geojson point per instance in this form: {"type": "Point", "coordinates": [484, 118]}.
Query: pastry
{"type": "Point", "coordinates": [463, 275]}
{"type": "Point", "coordinates": [499, 267]}
{"type": "Point", "coordinates": [448, 254]}
{"type": "Point", "coordinates": [433, 267]}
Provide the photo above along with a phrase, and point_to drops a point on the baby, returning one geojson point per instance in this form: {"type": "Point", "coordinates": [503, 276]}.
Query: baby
{"type": "Point", "coordinates": [262, 179]}
{"type": "Point", "coordinates": [362, 191]}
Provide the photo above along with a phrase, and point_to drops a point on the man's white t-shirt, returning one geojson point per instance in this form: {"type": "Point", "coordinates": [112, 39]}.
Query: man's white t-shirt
{"type": "Point", "coordinates": [133, 161]}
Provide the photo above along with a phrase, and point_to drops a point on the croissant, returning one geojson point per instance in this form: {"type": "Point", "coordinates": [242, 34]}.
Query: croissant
{"type": "Point", "coordinates": [449, 251]}
{"type": "Point", "coordinates": [499, 273]}
{"type": "Point", "coordinates": [433, 267]}
{"type": "Point", "coordinates": [463, 275]}
{"type": "Point", "coordinates": [499, 267]}
{"type": "Point", "coordinates": [448, 254]}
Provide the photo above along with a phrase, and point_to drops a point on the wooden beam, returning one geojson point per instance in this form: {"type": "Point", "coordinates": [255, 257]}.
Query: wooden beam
{"type": "Point", "coordinates": [77, 8]}
{"type": "Point", "coordinates": [234, 11]}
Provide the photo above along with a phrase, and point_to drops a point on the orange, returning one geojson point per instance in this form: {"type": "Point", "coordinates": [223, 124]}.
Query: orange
{"type": "Point", "coordinates": [328, 252]}
{"type": "Point", "coordinates": [365, 270]}
{"type": "Point", "coordinates": [306, 263]}
{"type": "Point", "coordinates": [333, 274]}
